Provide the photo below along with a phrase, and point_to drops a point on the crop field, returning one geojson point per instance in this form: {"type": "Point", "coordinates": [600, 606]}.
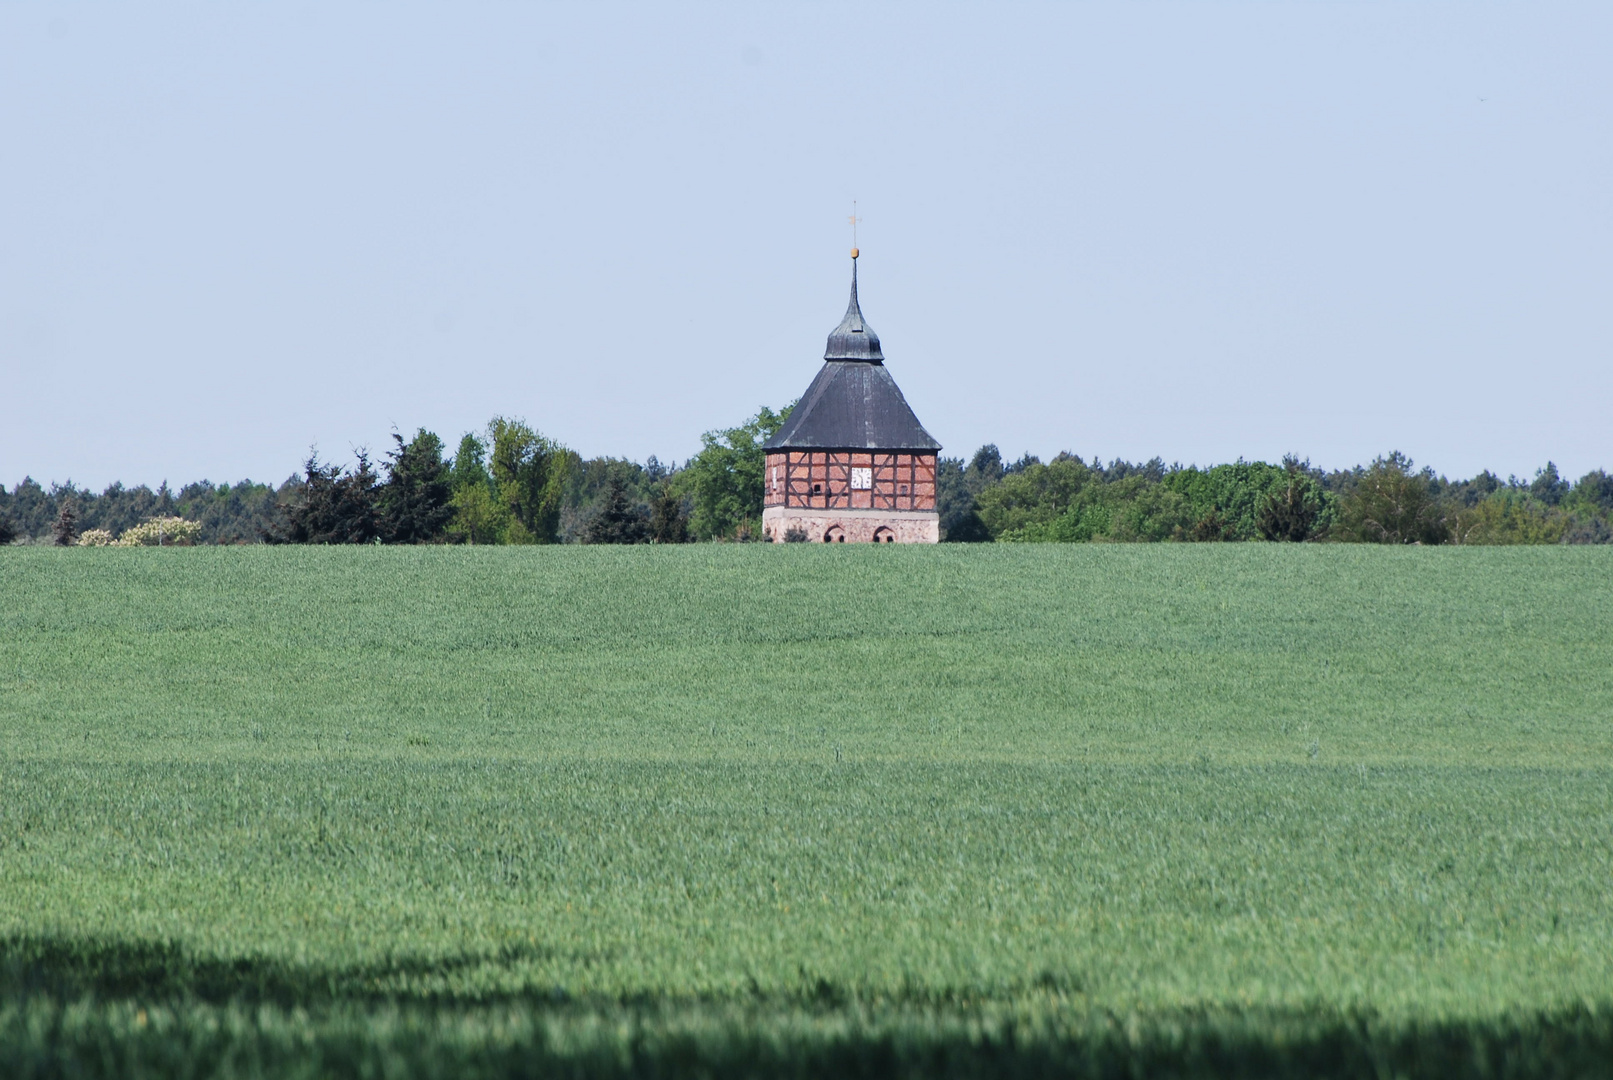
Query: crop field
{"type": "Point", "coordinates": [1086, 810]}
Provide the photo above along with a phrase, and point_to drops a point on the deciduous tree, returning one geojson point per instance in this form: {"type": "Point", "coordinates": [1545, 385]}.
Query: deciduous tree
{"type": "Point", "coordinates": [479, 516]}
{"type": "Point", "coordinates": [530, 473]}
{"type": "Point", "coordinates": [1393, 504]}
{"type": "Point", "coordinates": [725, 480]}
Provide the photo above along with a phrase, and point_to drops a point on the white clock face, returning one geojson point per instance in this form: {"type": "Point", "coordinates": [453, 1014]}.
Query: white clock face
{"type": "Point", "coordinates": [862, 479]}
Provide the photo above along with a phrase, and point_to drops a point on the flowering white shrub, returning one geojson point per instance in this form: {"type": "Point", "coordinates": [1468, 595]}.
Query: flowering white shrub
{"type": "Point", "coordinates": [94, 538]}
{"type": "Point", "coordinates": [166, 531]}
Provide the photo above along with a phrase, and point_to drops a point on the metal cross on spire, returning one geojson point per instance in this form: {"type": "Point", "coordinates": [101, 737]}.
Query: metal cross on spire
{"type": "Point", "coordinates": [854, 219]}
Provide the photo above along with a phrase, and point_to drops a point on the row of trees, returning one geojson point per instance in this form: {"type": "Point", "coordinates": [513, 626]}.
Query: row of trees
{"type": "Point", "coordinates": [513, 486]}
{"type": "Point", "coordinates": [227, 514]}
{"type": "Point", "coordinates": [505, 485]}
{"type": "Point", "coordinates": [1388, 502]}
{"type": "Point", "coordinates": [509, 484]}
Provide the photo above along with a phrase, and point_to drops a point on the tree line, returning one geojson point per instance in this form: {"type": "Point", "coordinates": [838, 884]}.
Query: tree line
{"type": "Point", "coordinates": [510, 484]}
{"type": "Point", "coordinates": [1390, 501]}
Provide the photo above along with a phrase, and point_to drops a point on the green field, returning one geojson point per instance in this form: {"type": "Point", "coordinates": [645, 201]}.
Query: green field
{"type": "Point", "coordinates": [973, 810]}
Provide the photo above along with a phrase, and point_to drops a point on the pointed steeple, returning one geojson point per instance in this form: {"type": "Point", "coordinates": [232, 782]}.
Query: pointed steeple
{"type": "Point", "coordinates": [854, 339]}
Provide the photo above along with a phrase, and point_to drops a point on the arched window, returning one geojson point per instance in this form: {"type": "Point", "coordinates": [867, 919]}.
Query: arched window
{"type": "Point", "coordinates": [834, 534]}
{"type": "Point", "coordinates": [884, 535]}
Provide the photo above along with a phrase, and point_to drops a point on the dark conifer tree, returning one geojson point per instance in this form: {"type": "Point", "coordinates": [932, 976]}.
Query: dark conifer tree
{"type": "Point", "coordinates": [306, 509]}
{"type": "Point", "coordinates": [1290, 514]}
{"type": "Point", "coordinates": [1211, 528]}
{"type": "Point", "coordinates": [332, 506]}
{"type": "Point", "coordinates": [669, 524]}
{"type": "Point", "coordinates": [414, 501]}
{"type": "Point", "coordinates": [66, 528]}
{"type": "Point", "coordinates": [965, 527]}
{"type": "Point", "coordinates": [358, 505]}
{"type": "Point", "coordinates": [618, 520]}
{"type": "Point", "coordinates": [986, 467]}
{"type": "Point", "coordinates": [956, 488]}
{"type": "Point", "coordinates": [8, 531]}
{"type": "Point", "coordinates": [1548, 486]}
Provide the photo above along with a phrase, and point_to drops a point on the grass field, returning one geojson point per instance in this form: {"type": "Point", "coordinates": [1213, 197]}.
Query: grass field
{"type": "Point", "coordinates": [1047, 810]}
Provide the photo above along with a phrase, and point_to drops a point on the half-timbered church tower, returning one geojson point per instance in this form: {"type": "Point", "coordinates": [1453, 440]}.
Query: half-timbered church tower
{"type": "Point", "coordinates": [852, 463]}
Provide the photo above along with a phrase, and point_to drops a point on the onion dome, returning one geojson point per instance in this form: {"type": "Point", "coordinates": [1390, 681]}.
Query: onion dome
{"type": "Point", "coordinates": [854, 339]}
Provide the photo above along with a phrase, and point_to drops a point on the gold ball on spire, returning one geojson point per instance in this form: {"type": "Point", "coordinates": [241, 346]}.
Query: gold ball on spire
{"type": "Point", "coordinates": [853, 253]}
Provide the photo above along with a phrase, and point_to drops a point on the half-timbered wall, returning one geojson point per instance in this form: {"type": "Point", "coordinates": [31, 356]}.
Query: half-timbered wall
{"type": "Point", "coordinates": [831, 480]}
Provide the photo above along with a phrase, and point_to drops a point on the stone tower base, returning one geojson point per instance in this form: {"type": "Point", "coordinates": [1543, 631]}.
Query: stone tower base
{"type": "Point", "coordinates": [853, 526]}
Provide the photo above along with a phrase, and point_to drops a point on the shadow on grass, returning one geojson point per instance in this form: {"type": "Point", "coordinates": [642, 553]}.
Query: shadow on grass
{"type": "Point", "coordinates": [161, 971]}
{"type": "Point", "coordinates": [132, 1009]}
{"type": "Point", "coordinates": [113, 968]}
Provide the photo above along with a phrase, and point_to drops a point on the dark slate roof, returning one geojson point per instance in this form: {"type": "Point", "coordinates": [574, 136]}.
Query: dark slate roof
{"type": "Point", "coordinates": [853, 339]}
{"type": "Point", "coordinates": [853, 404]}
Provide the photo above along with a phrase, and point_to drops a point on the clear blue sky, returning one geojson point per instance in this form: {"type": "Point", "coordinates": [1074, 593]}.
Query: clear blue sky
{"type": "Point", "coordinates": [1200, 230]}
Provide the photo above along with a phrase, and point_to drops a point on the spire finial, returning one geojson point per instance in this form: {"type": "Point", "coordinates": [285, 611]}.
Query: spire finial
{"type": "Point", "coordinates": [854, 219]}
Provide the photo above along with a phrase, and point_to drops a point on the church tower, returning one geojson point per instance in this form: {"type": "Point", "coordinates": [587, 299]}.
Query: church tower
{"type": "Point", "coordinates": [852, 463]}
